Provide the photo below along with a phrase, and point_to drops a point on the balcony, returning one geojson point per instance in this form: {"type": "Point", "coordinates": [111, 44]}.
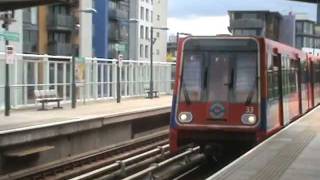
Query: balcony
{"type": "Point", "coordinates": [114, 36]}
{"type": "Point", "coordinates": [26, 17]}
{"type": "Point", "coordinates": [30, 47]}
{"type": "Point", "coordinates": [60, 22]}
{"type": "Point", "coordinates": [246, 23]}
{"type": "Point", "coordinates": [58, 48]}
{"type": "Point", "coordinates": [112, 53]}
{"type": "Point", "coordinates": [117, 14]}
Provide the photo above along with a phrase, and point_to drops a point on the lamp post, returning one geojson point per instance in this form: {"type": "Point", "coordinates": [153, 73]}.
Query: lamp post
{"type": "Point", "coordinates": [7, 20]}
{"type": "Point", "coordinates": [74, 52]}
{"type": "Point", "coordinates": [152, 41]}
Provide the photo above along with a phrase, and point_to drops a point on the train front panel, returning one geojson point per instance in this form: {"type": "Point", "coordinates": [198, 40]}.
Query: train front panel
{"type": "Point", "coordinates": [217, 91]}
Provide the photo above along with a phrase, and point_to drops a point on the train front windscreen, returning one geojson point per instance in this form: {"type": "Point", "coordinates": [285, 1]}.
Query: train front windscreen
{"type": "Point", "coordinates": [219, 70]}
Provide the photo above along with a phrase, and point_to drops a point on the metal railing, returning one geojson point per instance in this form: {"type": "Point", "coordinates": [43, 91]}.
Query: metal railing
{"type": "Point", "coordinates": [95, 78]}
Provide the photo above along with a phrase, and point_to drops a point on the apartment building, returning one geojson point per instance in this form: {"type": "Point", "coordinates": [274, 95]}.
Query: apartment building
{"type": "Point", "coordinates": [301, 33]}
{"type": "Point", "coordinates": [150, 14]}
{"type": "Point", "coordinates": [111, 28]}
{"type": "Point", "coordinates": [307, 34]}
{"type": "Point", "coordinates": [56, 29]}
{"type": "Point", "coordinates": [256, 23]}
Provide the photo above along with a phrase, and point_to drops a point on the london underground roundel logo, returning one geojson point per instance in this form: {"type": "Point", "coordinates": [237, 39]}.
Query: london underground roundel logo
{"type": "Point", "coordinates": [217, 110]}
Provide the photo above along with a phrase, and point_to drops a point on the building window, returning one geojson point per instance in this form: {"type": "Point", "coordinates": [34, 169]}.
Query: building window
{"type": "Point", "coordinates": [158, 17]}
{"type": "Point", "coordinates": [151, 14]}
{"type": "Point", "coordinates": [141, 50]}
{"type": "Point", "coordinates": [158, 52]}
{"type": "Point", "coordinates": [298, 42]}
{"type": "Point", "coordinates": [246, 32]}
{"type": "Point", "coordinates": [147, 14]}
{"type": "Point", "coordinates": [158, 34]}
{"type": "Point", "coordinates": [141, 32]}
{"type": "Point", "coordinates": [299, 27]}
{"type": "Point", "coordinates": [142, 13]}
{"type": "Point", "coordinates": [308, 28]}
{"type": "Point", "coordinates": [147, 51]}
{"type": "Point", "coordinates": [147, 32]}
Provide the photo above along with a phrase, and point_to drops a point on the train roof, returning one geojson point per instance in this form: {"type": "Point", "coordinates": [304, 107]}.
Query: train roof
{"type": "Point", "coordinates": [276, 47]}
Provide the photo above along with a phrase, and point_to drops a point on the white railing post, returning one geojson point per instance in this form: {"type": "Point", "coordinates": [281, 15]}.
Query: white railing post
{"type": "Point", "coordinates": [131, 80]}
{"type": "Point", "coordinates": [46, 71]}
{"type": "Point", "coordinates": [114, 80]}
{"type": "Point", "coordinates": [25, 81]}
{"type": "Point", "coordinates": [95, 79]}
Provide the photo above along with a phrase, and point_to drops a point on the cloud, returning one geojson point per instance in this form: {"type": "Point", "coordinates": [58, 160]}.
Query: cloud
{"type": "Point", "coordinates": [189, 8]}
{"type": "Point", "coordinates": [197, 25]}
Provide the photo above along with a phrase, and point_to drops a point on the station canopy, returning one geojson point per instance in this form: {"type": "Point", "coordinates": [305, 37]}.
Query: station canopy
{"type": "Point", "coordinates": [308, 1]}
{"type": "Point", "coordinates": [6, 5]}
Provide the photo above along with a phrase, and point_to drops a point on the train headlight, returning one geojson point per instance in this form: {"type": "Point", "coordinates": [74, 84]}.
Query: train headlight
{"type": "Point", "coordinates": [249, 119]}
{"type": "Point", "coordinates": [185, 117]}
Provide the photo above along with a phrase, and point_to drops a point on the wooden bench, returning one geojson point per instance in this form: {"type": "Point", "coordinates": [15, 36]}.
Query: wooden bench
{"type": "Point", "coordinates": [46, 96]}
{"type": "Point", "coordinates": [153, 93]}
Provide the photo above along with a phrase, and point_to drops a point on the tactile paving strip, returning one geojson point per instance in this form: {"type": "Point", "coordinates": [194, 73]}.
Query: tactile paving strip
{"type": "Point", "coordinates": [286, 156]}
{"type": "Point", "coordinates": [277, 165]}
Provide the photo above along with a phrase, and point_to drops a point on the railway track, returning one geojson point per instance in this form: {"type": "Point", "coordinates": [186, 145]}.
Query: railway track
{"type": "Point", "coordinates": [157, 163]}
{"type": "Point", "coordinates": [143, 158]}
{"type": "Point", "coordinates": [73, 167]}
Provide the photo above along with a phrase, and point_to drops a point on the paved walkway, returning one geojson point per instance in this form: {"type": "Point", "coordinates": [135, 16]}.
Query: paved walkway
{"type": "Point", "coordinates": [292, 154]}
{"type": "Point", "coordinates": [33, 117]}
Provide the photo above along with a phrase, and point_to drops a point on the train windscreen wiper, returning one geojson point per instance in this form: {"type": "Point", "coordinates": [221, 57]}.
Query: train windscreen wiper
{"type": "Point", "coordinates": [251, 94]}
{"type": "Point", "coordinates": [186, 93]}
{"type": "Point", "coordinates": [230, 84]}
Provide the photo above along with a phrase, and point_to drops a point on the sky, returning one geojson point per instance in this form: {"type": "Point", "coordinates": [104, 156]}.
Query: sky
{"type": "Point", "coordinates": [210, 17]}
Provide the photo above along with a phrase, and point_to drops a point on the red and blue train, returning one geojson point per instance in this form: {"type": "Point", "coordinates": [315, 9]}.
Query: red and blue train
{"type": "Point", "coordinates": [239, 89]}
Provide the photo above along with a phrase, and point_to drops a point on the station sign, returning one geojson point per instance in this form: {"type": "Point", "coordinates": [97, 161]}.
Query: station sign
{"type": "Point", "coordinates": [10, 54]}
{"type": "Point", "coordinates": [120, 59]}
{"type": "Point", "coordinates": [10, 36]}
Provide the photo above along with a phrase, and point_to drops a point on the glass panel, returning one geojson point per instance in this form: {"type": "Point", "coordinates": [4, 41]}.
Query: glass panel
{"type": "Point", "coordinates": [245, 85]}
{"type": "Point", "coordinates": [192, 76]}
{"type": "Point", "coordinates": [219, 70]}
{"type": "Point", "coordinates": [218, 77]}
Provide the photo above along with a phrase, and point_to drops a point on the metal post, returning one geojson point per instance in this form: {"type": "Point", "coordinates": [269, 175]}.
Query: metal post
{"type": "Point", "coordinates": [177, 40]}
{"type": "Point", "coordinates": [318, 12]}
{"type": "Point", "coordinates": [118, 81]}
{"type": "Point", "coordinates": [73, 64]}
{"type": "Point", "coordinates": [150, 95]}
{"type": "Point", "coordinates": [7, 74]}
{"type": "Point", "coordinates": [73, 81]}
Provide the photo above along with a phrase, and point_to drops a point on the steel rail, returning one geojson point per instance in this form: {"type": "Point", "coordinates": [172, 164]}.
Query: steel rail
{"type": "Point", "coordinates": [118, 164]}
{"type": "Point", "coordinates": [161, 164]}
{"type": "Point", "coordinates": [71, 167]}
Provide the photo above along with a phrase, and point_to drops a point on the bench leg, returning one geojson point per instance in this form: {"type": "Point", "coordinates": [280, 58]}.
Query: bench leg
{"type": "Point", "coordinates": [42, 106]}
{"type": "Point", "coordinates": [58, 105]}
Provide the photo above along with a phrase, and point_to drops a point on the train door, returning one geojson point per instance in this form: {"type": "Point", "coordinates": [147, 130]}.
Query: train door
{"type": "Point", "coordinates": [274, 110]}
{"type": "Point", "coordinates": [285, 84]}
{"type": "Point", "coordinates": [312, 84]}
{"type": "Point", "coordinates": [316, 80]}
{"type": "Point", "coordinates": [220, 77]}
{"type": "Point", "coordinates": [290, 89]}
{"type": "Point", "coordinates": [304, 79]}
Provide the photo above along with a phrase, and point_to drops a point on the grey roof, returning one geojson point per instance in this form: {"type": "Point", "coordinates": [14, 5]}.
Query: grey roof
{"type": "Point", "coordinates": [18, 4]}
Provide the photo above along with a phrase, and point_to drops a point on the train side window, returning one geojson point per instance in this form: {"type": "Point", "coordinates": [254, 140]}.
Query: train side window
{"type": "Point", "coordinates": [273, 77]}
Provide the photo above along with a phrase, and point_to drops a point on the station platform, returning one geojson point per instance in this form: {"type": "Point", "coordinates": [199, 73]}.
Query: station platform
{"type": "Point", "coordinates": [54, 135]}
{"type": "Point", "coordinates": [291, 154]}
{"type": "Point", "coordinates": [32, 118]}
